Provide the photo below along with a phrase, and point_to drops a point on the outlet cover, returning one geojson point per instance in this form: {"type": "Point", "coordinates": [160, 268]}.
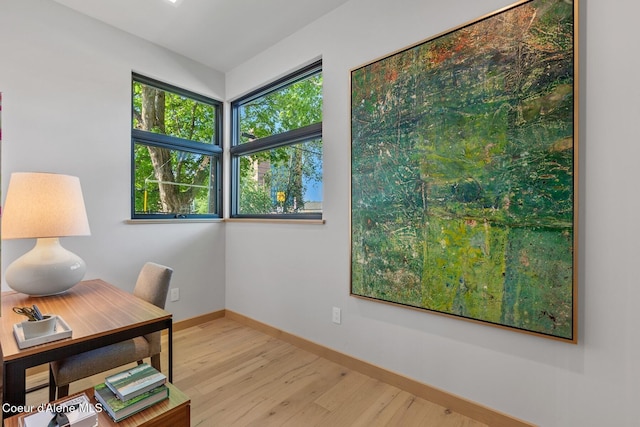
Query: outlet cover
{"type": "Point", "coordinates": [175, 294]}
{"type": "Point", "coordinates": [336, 316]}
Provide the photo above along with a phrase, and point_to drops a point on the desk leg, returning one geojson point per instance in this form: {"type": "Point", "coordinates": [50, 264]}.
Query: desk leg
{"type": "Point", "coordinates": [14, 390]}
{"type": "Point", "coordinates": [171, 351]}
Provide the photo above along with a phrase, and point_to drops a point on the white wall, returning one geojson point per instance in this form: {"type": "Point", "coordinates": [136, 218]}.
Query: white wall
{"type": "Point", "coordinates": [66, 81]}
{"type": "Point", "coordinates": [300, 271]}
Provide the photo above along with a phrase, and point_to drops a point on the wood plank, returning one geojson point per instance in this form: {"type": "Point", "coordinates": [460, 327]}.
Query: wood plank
{"type": "Point", "coordinates": [236, 375]}
{"type": "Point", "coordinates": [433, 394]}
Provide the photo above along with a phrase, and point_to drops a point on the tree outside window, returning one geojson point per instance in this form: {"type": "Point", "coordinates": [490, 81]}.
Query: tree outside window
{"type": "Point", "coordinates": [277, 148]}
{"type": "Point", "coordinates": [176, 152]}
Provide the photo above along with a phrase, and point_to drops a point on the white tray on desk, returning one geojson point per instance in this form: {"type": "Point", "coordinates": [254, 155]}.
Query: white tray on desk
{"type": "Point", "coordinates": [62, 330]}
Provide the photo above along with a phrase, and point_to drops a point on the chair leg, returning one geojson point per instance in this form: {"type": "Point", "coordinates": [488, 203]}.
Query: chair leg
{"type": "Point", "coordinates": [63, 391]}
{"type": "Point", "coordinates": [155, 362]}
{"type": "Point", "coordinates": [52, 386]}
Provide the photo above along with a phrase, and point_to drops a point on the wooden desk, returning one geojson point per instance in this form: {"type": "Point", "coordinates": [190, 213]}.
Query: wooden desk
{"type": "Point", "coordinates": [99, 314]}
{"type": "Point", "coordinates": [173, 412]}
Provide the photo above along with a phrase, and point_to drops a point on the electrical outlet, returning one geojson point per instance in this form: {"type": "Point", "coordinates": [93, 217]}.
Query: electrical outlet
{"type": "Point", "coordinates": [175, 294]}
{"type": "Point", "coordinates": [337, 316]}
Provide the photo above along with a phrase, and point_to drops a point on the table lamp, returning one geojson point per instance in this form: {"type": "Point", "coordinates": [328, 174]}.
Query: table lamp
{"type": "Point", "coordinates": [45, 206]}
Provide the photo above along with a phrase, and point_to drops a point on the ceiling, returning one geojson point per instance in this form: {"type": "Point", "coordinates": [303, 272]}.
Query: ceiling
{"type": "Point", "coordinates": [219, 33]}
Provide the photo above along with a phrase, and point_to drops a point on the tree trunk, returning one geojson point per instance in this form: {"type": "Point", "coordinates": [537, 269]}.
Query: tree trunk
{"type": "Point", "coordinates": [153, 110]}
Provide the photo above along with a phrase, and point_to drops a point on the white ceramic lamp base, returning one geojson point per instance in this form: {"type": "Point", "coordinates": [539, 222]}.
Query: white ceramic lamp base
{"type": "Point", "coordinates": [47, 269]}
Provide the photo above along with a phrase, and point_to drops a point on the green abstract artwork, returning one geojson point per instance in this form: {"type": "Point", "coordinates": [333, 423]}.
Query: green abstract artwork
{"type": "Point", "coordinates": [464, 177]}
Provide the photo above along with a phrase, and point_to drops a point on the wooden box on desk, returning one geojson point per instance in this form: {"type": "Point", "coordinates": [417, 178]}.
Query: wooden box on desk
{"type": "Point", "coordinates": [172, 412]}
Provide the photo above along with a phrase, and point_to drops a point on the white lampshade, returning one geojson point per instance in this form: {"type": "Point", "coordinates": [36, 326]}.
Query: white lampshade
{"type": "Point", "coordinates": [45, 206]}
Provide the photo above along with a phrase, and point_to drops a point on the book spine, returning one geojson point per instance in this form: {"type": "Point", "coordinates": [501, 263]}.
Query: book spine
{"type": "Point", "coordinates": [119, 410]}
{"type": "Point", "coordinates": [111, 387]}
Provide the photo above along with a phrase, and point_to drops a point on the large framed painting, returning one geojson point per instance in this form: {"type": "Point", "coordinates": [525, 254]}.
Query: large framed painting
{"type": "Point", "coordinates": [464, 172]}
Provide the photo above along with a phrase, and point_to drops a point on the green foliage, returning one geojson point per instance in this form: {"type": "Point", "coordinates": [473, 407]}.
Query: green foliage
{"type": "Point", "coordinates": [184, 117]}
{"type": "Point", "coordinates": [290, 168]}
{"type": "Point", "coordinates": [291, 107]}
{"type": "Point", "coordinates": [192, 191]}
{"type": "Point", "coordinates": [173, 180]}
{"type": "Point", "coordinates": [255, 198]}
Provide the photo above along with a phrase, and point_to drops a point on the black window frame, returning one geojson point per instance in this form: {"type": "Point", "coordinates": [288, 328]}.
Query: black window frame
{"type": "Point", "coordinates": [288, 138]}
{"type": "Point", "coordinates": [214, 149]}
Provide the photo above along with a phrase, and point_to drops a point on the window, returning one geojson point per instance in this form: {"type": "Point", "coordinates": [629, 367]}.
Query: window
{"type": "Point", "coordinates": [276, 149]}
{"type": "Point", "coordinates": [176, 152]}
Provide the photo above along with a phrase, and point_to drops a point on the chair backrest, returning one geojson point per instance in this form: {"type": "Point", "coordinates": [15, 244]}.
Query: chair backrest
{"type": "Point", "coordinates": [153, 283]}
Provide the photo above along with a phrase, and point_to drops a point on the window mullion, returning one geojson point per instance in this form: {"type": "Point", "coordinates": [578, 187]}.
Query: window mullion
{"type": "Point", "coordinates": [168, 141]}
{"type": "Point", "coordinates": [279, 140]}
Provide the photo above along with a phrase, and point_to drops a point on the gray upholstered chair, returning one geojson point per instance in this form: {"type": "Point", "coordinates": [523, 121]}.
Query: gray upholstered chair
{"type": "Point", "coordinates": [152, 286]}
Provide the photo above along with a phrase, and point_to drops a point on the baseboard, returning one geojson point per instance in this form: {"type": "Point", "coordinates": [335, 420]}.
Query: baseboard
{"type": "Point", "coordinates": [197, 320]}
{"type": "Point", "coordinates": [458, 404]}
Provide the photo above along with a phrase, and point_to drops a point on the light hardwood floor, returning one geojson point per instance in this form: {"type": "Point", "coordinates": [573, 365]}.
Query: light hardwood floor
{"type": "Point", "coordinates": [238, 376]}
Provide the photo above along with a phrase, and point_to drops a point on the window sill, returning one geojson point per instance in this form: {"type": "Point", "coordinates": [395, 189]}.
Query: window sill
{"type": "Point", "coordinates": [172, 220]}
{"type": "Point", "coordinates": [212, 220]}
{"type": "Point", "coordinates": [278, 221]}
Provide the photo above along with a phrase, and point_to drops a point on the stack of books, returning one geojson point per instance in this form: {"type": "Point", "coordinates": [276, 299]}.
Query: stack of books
{"type": "Point", "coordinates": [127, 392]}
